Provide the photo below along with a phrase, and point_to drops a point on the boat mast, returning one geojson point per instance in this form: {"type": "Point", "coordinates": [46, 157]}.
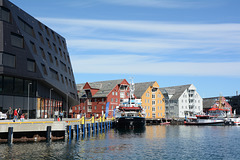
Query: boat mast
{"type": "Point", "coordinates": [131, 90]}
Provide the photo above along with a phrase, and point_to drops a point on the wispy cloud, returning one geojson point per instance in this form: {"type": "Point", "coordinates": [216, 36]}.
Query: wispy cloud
{"type": "Point", "coordinates": [147, 36]}
{"type": "Point", "coordinates": [135, 64]}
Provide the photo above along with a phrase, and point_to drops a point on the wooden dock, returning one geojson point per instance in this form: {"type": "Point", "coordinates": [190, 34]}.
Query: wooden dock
{"type": "Point", "coordinates": [47, 130]}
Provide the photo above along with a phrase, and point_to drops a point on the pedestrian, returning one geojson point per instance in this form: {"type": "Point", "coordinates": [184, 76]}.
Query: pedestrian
{"type": "Point", "coordinates": [10, 112]}
{"type": "Point", "coordinates": [15, 115]}
{"type": "Point", "coordinates": [55, 115]}
{"type": "Point", "coordinates": [22, 118]}
{"type": "Point", "coordinates": [73, 114]}
{"type": "Point", "coordinates": [19, 112]}
{"type": "Point", "coordinates": [61, 115]}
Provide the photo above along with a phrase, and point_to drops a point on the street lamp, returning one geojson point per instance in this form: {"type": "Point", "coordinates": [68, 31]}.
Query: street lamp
{"type": "Point", "coordinates": [28, 97]}
{"type": "Point", "coordinates": [50, 101]}
{"type": "Point", "coordinates": [67, 106]}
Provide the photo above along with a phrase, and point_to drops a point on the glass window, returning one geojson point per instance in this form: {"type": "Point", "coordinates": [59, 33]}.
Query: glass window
{"type": "Point", "coordinates": [62, 78]}
{"type": "Point", "coordinates": [46, 28]}
{"type": "Point", "coordinates": [49, 44]}
{"type": "Point", "coordinates": [44, 69]}
{"type": "Point", "coordinates": [8, 84]}
{"type": "Point", "coordinates": [54, 74]}
{"type": "Point", "coordinates": [66, 80]}
{"type": "Point", "coordinates": [102, 107]}
{"type": "Point", "coordinates": [41, 37]}
{"type": "Point", "coordinates": [116, 100]}
{"type": "Point", "coordinates": [55, 47]}
{"type": "Point", "coordinates": [56, 60]}
{"type": "Point", "coordinates": [4, 14]}
{"type": "Point", "coordinates": [1, 83]}
{"type": "Point", "coordinates": [26, 27]}
{"type": "Point", "coordinates": [63, 66]}
{"type": "Point", "coordinates": [53, 35]}
{"type": "Point", "coordinates": [43, 53]}
{"type": "Point", "coordinates": [153, 109]}
{"type": "Point", "coordinates": [113, 93]}
{"type": "Point", "coordinates": [64, 55]}
{"type": "Point", "coordinates": [18, 86]}
{"type": "Point", "coordinates": [60, 51]}
{"type": "Point", "coordinates": [50, 57]}
{"type": "Point", "coordinates": [95, 107]}
{"type": "Point", "coordinates": [8, 60]}
{"type": "Point", "coordinates": [33, 47]}
{"type": "Point", "coordinates": [31, 65]}
{"type": "Point", "coordinates": [17, 40]}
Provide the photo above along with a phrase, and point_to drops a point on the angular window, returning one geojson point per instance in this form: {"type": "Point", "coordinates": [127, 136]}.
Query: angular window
{"type": "Point", "coordinates": [26, 27]}
{"type": "Point", "coordinates": [64, 55]}
{"type": "Point", "coordinates": [53, 35]}
{"type": "Point", "coordinates": [62, 78]}
{"type": "Point", "coordinates": [4, 14]}
{"type": "Point", "coordinates": [44, 69]}
{"type": "Point", "coordinates": [31, 65]}
{"type": "Point", "coordinates": [55, 47]}
{"type": "Point", "coordinates": [33, 47]}
{"type": "Point", "coordinates": [40, 25]}
{"type": "Point", "coordinates": [59, 41]}
{"type": "Point", "coordinates": [46, 28]}
{"type": "Point", "coordinates": [8, 60]}
{"type": "Point", "coordinates": [43, 53]}
{"type": "Point", "coordinates": [50, 57]}
{"type": "Point", "coordinates": [56, 60]}
{"type": "Point", "coordinates": [66, 80]}
{"type": "Point", "coordinates": [54, 74]}
{"type": "Point", "coordinates": [64, 44]}
{"type": "Point", "coordinates": [68, 59]}
{"type": "Point", "coordinates": [17, 40]}
{"type": "Point", "coordinates": [70, 82]}
{"type": "Point", "coordinates": [60, 51]}
{"type": "Point", "coordinates": [49, 44]}
{"type": "Point", "coordinates": [41, 37]}
{"type": "Point", "coordinates": [63, 66]}
{"type": "Point", "coordinates": [69, 70]}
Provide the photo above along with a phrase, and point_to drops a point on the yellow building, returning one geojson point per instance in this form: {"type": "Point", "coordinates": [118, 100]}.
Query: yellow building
{"type": "Point", "coordinates": [152, 99]}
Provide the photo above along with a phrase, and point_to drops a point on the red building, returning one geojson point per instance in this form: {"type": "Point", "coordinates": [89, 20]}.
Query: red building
{"type": "Point", "coordinates": [101, 97]}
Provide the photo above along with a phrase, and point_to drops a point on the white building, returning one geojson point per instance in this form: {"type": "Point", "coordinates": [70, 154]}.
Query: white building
{"type": "Point", "coordinates": [181, 101]}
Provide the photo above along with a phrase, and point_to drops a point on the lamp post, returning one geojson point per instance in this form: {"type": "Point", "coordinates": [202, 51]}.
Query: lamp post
{"type": "Point", "coordinates": [50, 101]}
{"type": "Point", "coordinates": [67, 106]}
{"type": "Point", "coordinates": [28, 97]}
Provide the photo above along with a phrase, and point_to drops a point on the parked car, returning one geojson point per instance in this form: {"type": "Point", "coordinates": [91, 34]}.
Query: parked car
{"type": "Point", "coordinates": [3, 115]}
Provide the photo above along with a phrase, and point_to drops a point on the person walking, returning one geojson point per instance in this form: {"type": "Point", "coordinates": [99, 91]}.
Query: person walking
{"type": "Point", "coordinates": [15, 115]}
{"type": "Point", "coordinates": [61, 115]}
{"type": "Point", "coordinates": [19, 112]}
{"type": "Point", "coordinates": [10, 112]}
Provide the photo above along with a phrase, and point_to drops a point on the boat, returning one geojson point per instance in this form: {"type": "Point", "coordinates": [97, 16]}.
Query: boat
{"type": "Point", "coordinates": [130, 113]}
{"type": "Point", "coordinates": [205, 120]}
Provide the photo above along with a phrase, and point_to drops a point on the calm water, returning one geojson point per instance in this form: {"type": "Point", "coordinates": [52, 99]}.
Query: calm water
{"type": "Point", "coordinates": [155, 142]}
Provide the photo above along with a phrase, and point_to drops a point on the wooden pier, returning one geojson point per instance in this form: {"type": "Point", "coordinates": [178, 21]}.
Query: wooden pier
{"type": "Point", "coordinates": [47, 130]}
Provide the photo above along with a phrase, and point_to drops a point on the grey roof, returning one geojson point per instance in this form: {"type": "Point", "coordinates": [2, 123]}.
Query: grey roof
{"type": "Point", "coordinates": [140, 88]}
{"type": "Point", "coordinates": [209, 102]}
{"type": "Point", "coordinates": [176, 91]}
{"type": "Point", "coordinates": [104, 87]}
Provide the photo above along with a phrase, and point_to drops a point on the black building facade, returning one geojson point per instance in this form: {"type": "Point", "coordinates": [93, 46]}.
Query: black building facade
{"type": "Point", "coordinates": [35, 69]}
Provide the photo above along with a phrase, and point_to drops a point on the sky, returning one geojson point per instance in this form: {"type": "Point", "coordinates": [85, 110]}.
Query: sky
{"type": "Point", "coordinates": [173, 42]}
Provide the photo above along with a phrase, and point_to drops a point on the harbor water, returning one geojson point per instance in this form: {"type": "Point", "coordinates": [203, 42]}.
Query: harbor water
{"type": "Point", "coordinates": [153, 142]}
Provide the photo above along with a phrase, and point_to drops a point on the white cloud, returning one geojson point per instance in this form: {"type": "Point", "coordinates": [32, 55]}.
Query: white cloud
{"type": "Point", "coordinates": [135, 64]}
{"type": "Point", "coordinates": [147, 36]}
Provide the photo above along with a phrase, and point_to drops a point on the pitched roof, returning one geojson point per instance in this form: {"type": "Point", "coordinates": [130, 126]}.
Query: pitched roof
{"type": "Point", "coordinates": [209, 102]}
{"type": "Point", "coordinates": [104, 87]}
{"type": "Point", "coordinates": [176, 91]}
{"type": "Point", "coordinates": [140, 88]}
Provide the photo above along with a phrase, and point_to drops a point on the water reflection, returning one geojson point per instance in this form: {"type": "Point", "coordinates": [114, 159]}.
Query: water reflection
{"type": "Point", "coordinates": [152, 142]}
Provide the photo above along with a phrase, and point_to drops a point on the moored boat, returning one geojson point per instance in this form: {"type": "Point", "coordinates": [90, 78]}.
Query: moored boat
{"type": "Point", "coordinates": [205, 120]}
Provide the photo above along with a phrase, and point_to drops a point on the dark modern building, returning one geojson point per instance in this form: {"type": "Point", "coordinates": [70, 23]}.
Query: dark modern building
{"type": "Point", "coordinates": [234, 101]}
{"type": "Point", "coordinates": [35, 69]}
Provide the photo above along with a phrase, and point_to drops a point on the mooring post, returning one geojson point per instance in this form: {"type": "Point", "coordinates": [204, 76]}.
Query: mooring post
{"type": "Point", "coordinates": [69, 131]}
{"type": "Point", "coordinates": [49, 133]}
{"type": "Point", "coordinates": [89, 128]}
{"type": "Point", "coordinates": [97, 127]}
{"type": "Point", "coordinates": [93, 124]}
{"type": "Point", "coordinates": [77, 131]}
{"type": "Point", "coordinates": [10, 135]}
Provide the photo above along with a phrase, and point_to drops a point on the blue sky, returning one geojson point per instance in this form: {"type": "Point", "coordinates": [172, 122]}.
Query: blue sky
{"type": "Point", "coordinates": [173, 42]}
